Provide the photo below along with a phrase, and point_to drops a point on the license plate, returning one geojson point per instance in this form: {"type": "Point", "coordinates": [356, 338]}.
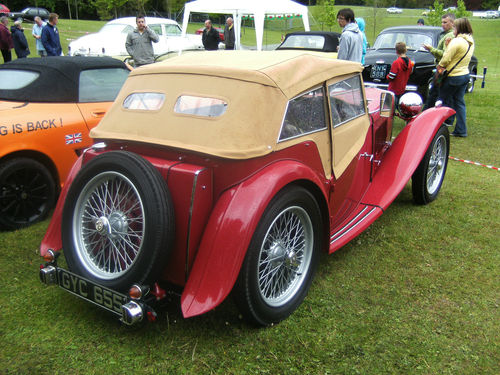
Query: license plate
{"type": "Point", "coordinates": [378, 71]}
{"type": "Point", "coordinates": [91, 292]}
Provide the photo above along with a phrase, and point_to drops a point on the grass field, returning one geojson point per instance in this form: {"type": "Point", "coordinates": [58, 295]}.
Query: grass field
{"type": "Point", "coordinates": [417, 293]}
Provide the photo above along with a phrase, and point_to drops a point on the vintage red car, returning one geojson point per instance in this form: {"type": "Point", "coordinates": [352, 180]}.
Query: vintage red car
{"type": "Point", "coordinates": [221, 172]}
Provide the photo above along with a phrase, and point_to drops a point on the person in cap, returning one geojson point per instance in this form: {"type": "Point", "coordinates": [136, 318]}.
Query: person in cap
{"type": "Point", "coordinates": [19, 39]}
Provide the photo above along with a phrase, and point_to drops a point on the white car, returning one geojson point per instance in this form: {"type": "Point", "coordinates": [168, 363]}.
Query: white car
{"type": "Point", "coordinates": [110, 40]}
{"type": "Point", "coordinates": [490, 14]}
{"type": "Point", "coordinates": [394, 10]}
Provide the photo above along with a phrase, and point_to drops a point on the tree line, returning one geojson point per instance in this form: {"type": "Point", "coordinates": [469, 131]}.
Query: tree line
{"type": "Point", "coordinates": [108, 9]}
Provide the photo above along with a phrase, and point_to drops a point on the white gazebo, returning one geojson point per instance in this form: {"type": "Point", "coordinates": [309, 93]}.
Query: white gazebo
{"type": "Point", "coordinates": [240, 8]}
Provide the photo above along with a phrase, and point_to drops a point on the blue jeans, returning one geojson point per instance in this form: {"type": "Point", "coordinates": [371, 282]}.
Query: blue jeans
{"type": "Point", "coordinates": [452, 94]}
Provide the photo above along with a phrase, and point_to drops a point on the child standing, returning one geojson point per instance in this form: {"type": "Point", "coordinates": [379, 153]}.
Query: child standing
{"type": "Point", "coordinates": [401, 69]}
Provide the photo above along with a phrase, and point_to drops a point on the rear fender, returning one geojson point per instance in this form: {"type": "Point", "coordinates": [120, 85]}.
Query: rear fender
{"type": "Point", "coordinates": [229, 231]}
{"type": "Point", "coordinates": [403, 157]}
{"type": "Point", "coordinates": [52, 239]}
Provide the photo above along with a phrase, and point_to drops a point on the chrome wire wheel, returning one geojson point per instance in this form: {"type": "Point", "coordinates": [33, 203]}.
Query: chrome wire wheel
{"type": "Point", "coordinates": [108, 225]}
{"type": "Point", "coordinates": [427, 180]}
{"type": "Point", "coordinates": [285, 256]}
{"type": "Point", "coordinates": [437, 164]}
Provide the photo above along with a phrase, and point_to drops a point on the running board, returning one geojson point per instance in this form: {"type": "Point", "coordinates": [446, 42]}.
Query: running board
{"type": "Point", "coordinates": [357, 222]}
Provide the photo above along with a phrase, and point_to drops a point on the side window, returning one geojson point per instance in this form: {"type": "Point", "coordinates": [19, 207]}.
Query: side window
{"type": "Point", "coordinates": [305, 114]}
{"type": "Point", "coordinates": [200, 106]}
{"type": "Point", "coordinates": [346, 100]}
{"type": "Point", "coordinates": [101, 85]}
{"type": "Point", "coordinates": [13, 79]}
{"type": "Point", "coordinates": [127, 29]}
{"type": "Point", "coordinates": [156, 28]}
{"type": "Point", "coordinates": [172, 30]}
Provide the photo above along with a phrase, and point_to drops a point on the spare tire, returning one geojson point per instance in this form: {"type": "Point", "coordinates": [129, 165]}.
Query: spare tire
{"type": "Point", "coordinates": [118, 221]}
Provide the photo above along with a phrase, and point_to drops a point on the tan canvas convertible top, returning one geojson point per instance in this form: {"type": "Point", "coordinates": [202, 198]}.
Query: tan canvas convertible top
{"type": "Point", "coordinates": [255, 85]}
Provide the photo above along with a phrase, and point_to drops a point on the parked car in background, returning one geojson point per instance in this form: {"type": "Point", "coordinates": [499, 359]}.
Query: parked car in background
{"type": "Point", "coordinates": [29, 14]}
{"type": "Point", "coordinates": [47, 107]}
{"type": "Point", "coordinates": [189, 188]}
{"type": "Point", "coordinates": [490, 14]}
{"type": "Point", "coordinates": [218, 29]}
{"type": "Point", "coordinates": [4, 11]}
{"type": "Point", "coordinates": [320, 41]}
{"type": "Point", "coordinates": [379, 58]}
{"type": "Point", "coordinates": [394, 10]}
{"type": "Point", "coordinates": [110, 40]}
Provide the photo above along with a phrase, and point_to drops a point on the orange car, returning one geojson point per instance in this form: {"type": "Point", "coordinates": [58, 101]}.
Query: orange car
{"type": "Point", "coordinates": [47, 108]}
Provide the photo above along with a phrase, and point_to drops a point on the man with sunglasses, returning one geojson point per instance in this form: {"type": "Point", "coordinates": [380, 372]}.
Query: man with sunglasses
{"type": "Point", "coordinates": [351, 39]}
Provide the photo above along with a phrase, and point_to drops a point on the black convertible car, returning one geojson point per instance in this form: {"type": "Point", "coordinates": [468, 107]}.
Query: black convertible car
{"type": "Point", "coordinates": [379, 58]}
{"type": "Point", "coordinates": [320, 41]}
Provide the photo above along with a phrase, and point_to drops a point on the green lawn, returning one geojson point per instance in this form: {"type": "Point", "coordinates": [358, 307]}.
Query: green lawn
{"type": "Point", "coordinates": [417, 293]}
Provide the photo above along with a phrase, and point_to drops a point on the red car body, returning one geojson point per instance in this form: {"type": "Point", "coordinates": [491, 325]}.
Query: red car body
{"type": "Point", "coordinates": [220, 202]}
{"type": "Point", "coordinates": [4, 11]}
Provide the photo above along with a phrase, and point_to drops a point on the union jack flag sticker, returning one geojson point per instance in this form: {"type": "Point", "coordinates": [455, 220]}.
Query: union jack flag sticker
{"type": "Point", "coordinates": [73, 138]}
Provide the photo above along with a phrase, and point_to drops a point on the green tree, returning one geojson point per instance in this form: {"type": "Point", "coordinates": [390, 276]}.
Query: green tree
{"type": "Point", "coordinates": [174, 6]}
{"type": "Point", "coordinates": [461, 11]}
{"type": "Point", "coordinates": [437, 12]}
{"type": "Point", "coordinates": [107, 9]}
{"type": "Point", "coordinates": [434, 17]}
{"type": "Point", "coordinates": [489, 4]}
{"type": "Point", "coordinates": [328, 15]}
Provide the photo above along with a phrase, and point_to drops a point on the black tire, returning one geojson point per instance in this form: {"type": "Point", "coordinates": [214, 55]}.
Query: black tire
{"type": "Point", "coordinates": [428, 178]}
{"type": "Point", "coordinates": [118, 221]}
{"type": "Point", "coordinates": [27, 193]}
{"type": "Point", "coordinates": [290, 233]}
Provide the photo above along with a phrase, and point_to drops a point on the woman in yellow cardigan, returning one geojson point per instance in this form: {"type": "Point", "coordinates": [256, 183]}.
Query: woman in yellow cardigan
{"type": "Point", "coordinates": [456, 60]}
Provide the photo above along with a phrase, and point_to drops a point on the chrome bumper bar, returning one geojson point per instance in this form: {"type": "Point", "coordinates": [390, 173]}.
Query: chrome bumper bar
{"type": "Point", "coordinates": [386, 85]}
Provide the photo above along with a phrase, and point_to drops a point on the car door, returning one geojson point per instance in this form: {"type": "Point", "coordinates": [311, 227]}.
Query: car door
{"type": "Point", "coordinates": [160, 47]}
{"type": "Point", "coordinates": [352, 154]}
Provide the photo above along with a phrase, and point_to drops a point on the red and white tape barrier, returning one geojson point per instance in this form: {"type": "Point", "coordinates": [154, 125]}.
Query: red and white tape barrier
{"type": "Point", "coordinates": [475, 163]}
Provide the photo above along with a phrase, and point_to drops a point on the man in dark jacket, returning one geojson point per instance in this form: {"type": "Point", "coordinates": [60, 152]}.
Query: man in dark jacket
{"type": "Point", "coordinates": [20, 43]}
{"type": "Point", "coordinates": [6, 43]}
{"type": "Point", "coordinates": [50, 36]}
{"type": "Point", "coordinates": [229, 34]}
{"type": "Point", "coordinates": [210, 37]}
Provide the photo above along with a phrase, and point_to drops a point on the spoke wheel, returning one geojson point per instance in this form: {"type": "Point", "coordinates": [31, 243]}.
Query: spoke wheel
{"type": "Point", "coordinates": [108, 225]}
{"type": "Point", "coordinates": [118, 224]}
{"type": "Point", "coordinates": [428, 178]}
{"type": "Point", "coordinates": [27, 192]}
{"type": "Point", "coordinates": [285, 255]}
{"type": "Point", "coordinates": [281, 259]}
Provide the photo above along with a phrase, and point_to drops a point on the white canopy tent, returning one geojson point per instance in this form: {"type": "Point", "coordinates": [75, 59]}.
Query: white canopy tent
{"type": "Point", "coordinates": [240, 8]}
